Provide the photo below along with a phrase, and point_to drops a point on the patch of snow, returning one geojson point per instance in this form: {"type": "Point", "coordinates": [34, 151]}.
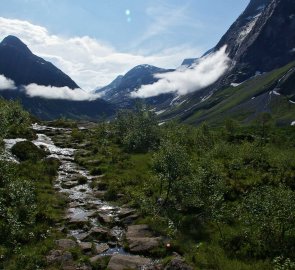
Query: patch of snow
{"type": "Point", "coordinates": [162, 123]}
{"type": "Point", "coordinates": [235, 84]}
{"type": "Point", "coordinates": [160, 112]}
{"type": "Point", "coordinates": [175, 99]}
{"type": "Point", "coordinates": [292, 50]}
{"type": "Point", "coordinates": [253, 98]}
{"type": "Point", "coordinates": [293, 102]}
{"type": "Point", "coordinates": [292, 16]}
{"type": "Point", "coordinates": [293, 123]}
{"type": "Point", "coordinates": [276, 93]}
{"type": "Point", "coordinates": [206, 97]}
{"type": "Point", "coordinates": [180, 103]}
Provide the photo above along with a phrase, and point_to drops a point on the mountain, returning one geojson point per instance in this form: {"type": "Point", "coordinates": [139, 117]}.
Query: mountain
{"type": "Point", "coordinates": [118, 92]}
{"type": "Point", "coordinates": [261, 46]}
{"type": "Point", "coordinates": [261, 39]}
{"type": "Point", "coordinates": [18, 63]}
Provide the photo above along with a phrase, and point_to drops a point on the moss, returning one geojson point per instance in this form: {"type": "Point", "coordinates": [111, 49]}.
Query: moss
{"type": "Point", "coordinates": [28, 151]}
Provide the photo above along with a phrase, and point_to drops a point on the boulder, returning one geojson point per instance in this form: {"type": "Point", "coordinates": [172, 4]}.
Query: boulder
{"type": "Point", "coordinates": [122, 262]}
{"type": "Point", "coordinates": [101, 248]}
{"type": "Point", "coordinates": [65, 244]}
{"type": "Point", "coordinates": [104, 218]}
{"type": "Point", "coordinates": [86, 246]}
{"type": "Point", "coordinates": [178, 263]}
{"type": "Point", "coordinates": [141, 240]}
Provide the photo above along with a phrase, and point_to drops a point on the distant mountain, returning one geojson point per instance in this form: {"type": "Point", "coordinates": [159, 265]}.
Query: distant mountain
{"type": "Point", "coordinates": [189, 61]}
{"type": "Point", "coordinates": [18, 63]}
{"type": "Point", "coordinates": [118, 92]}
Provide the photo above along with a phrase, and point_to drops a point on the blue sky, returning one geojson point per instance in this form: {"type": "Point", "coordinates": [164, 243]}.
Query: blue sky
{"type": "Point", "coordinates": [117, 34]}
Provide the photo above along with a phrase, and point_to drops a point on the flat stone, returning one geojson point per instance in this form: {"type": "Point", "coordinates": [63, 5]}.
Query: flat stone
{"type": "Point", "coordinates": [143, 245]}
{"type": "Point", "coordinates": [65, 243]}
{"type": "Point", "coordinates": [141, 240]}
{"type": "Point", "coordinates": [86, 246]}
{"type": "Point", "coordinates": [101, 248]}
{"type": "Point", "coordinates": [124, 212]}
{"type": "Point", "coordinates": [138, 231]}
{"type": "Point", "coordinates": [98, 233]}
{"type": "Point", "coordinates": [121, 262]}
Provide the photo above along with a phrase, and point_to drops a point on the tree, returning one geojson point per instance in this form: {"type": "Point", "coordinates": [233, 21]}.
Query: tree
{"type": "Point", "coordinates": [171, 165]}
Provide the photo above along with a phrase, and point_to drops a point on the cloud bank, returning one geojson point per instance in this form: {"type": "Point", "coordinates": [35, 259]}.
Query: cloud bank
{"type": "Point", "coordinates": [6, 83]}
{"type": "Point", "coordinates": [183, 81]}
{"type": "Point", "coordinates": [51, 92]}
{"type": "Point", "coordinates": [89, 62]}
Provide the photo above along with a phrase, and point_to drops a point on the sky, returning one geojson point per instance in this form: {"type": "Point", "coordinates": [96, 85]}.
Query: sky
{"type": "Point", "coordinates": [94, 41]}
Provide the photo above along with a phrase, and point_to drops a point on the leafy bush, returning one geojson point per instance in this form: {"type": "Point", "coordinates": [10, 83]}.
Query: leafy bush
{"type": "Point", "coordinates": [28, 151]}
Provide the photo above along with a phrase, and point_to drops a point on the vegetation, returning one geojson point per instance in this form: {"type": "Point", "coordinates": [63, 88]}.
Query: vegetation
{"type": "Point", "coordinates": [223, 195]}
{"type": "Point", "coordinates": [29, 207]}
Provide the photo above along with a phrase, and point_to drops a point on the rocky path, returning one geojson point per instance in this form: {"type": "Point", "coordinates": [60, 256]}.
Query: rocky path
{"type": "Point", "coordinates": [104, 233]}
{"type": "Point", "coordinates": [98, 228]}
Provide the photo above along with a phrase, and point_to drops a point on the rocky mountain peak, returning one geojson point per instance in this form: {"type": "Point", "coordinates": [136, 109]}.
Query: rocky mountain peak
{"type": "Point", "coordinates": [16, 43]}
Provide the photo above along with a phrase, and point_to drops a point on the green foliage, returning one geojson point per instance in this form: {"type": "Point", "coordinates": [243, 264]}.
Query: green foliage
{"type": "Point", "coordinates": [14, 120]}
{"type": "Point", "coordinates": [268, 215]}
{"type": "Point", "coordinates": [137, 132]}
{"type": "Point", "coordinates": [26, 150]}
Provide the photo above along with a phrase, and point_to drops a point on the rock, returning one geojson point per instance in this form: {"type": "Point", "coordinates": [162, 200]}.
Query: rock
{"type": "Point", "coordinates": [143, 245]}
{"type": "Point", "coordinates": [121, 262]}
{"type": "Point", "coordinates": [101, 248]}
{"type": "Point", "coordinates": [141, 240]}
{"type": "Point", "coordinates": [124, 212]}
{"type": "Point", "coordinates": [98, 233]}
{"type": "Point", "coordinates": [54, 256]}
{"type": "Point", "coordinates": [105, 218]}
{"type": "Point", "coordinates": [65, 243]}
{"type": "Point", "coordinates": [129, 219]}
{"type": "Point", "coordinates": [178, 263]}
{"type": "Point", "coordinates": [138, 231]}
{"type": "Point", "coordinates": [69, 184]}
{"type": "Point", "coordinates": [85, 246]}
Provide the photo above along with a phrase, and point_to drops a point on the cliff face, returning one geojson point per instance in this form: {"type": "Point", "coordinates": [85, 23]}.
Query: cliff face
{"type": "Point", "coordinates": [261, 39]}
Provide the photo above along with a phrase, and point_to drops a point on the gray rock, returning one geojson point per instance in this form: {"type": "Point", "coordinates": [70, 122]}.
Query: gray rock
{"type": "Point", "coordinates": [85, 246]}
{"type": "Point", "coordinates": [178, 263]}
{"type": "Point", "coordinates": [121, 262]}
{"type": "Point", "coordinates": [104, 218]}
{"type": "Point", "coordinates": [101, 248]}
{"type": "Point", "coordinates": [65, 244]}
{"type": "Point", "coordinates": [141, 240]}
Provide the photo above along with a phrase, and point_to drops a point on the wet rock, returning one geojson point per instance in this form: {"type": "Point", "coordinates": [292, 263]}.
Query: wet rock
{"type": "Point", "coordinates": [65, 244]}
{"type": "Point", "coordinates": [101, 248]}
{"type": "Point", "coordinates": [86, 246]}
{"type": "Point", "coordinates": [98, 233]}
{"type": "Point", "coordinates": [69, 184]}
{"type": "Point", "coordinates": [78, 223]}
{"type": "Point", "coordinates": [104, 218]}
{"type": "Point", "coordinates": [121, 262]}
{"type": "Point", "coordinates": [141, 240]}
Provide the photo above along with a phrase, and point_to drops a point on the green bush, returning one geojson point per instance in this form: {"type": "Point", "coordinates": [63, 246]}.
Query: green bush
{"type": "Point", "coordinates": [28, 151]}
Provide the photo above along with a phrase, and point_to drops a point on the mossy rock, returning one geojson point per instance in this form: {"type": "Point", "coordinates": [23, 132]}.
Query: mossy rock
{"type": "Point", "coordinates": [26, 150]}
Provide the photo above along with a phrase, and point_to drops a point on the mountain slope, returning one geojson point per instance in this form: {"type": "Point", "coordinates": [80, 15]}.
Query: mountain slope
{"type": "Point", "coordinates": [261, 39]}
{"type": "Point", "coordinates": [269, 92]}
{"type": "Point", "coordinates": [18, 63]}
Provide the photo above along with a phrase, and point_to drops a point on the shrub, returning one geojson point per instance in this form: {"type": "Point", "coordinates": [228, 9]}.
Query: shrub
{"type": "Point", "coordinates": [28, 151]}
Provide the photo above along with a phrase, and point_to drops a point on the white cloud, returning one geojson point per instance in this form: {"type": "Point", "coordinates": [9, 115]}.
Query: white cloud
{"type": "Point", "coordinates": [6, 83]}
{"type": "Point", "coordinates": [207, 71]}
{"type": "Point", "coordinates": [89, 62]}
{"type": "Point", "coordinates": [50, 92]}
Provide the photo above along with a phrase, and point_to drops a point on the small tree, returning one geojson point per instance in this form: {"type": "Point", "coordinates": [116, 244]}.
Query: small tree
{"type": "Point", "coordinates": [171, 165]}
